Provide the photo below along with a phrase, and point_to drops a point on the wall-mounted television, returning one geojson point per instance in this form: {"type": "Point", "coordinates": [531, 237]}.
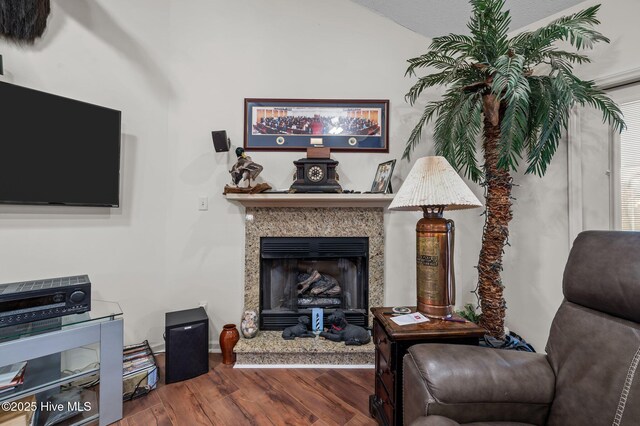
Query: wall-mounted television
{"type": "Point", "coordinates": [55, 150]}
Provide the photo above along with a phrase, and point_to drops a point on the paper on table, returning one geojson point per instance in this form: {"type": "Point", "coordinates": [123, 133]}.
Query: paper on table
{"type": "Point", "coordinates": [413, 318]}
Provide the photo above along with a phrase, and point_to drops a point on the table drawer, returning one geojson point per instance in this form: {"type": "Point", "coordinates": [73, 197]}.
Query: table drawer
{"type": "Point", "coordinates": [384, 401]}
{"type": "Point", "coordinates": [386, 376]}
{"type": "Point", "coordinates": [382, 341]}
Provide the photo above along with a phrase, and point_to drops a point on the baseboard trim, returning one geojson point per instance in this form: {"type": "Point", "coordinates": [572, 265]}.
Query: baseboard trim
{"type": "Point", "coordinates": [332, 366]}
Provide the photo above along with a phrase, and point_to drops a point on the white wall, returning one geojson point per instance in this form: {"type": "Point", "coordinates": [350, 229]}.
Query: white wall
{"type": "Point", "coordinates": [178, 70]}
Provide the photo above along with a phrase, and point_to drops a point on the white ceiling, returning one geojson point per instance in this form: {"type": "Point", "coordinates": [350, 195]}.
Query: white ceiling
{"type": "Point", "coordinates": [439, 17]}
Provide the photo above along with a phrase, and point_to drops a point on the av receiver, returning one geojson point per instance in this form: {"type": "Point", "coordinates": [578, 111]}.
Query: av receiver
{"type": "Point", "coordinates": [29, 301]}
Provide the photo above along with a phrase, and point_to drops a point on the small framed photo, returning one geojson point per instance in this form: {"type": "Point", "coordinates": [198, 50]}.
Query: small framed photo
{"type": "Point", "coordinates": [351, 125]}
{"type": "Point", "coordinates": [382, 181]}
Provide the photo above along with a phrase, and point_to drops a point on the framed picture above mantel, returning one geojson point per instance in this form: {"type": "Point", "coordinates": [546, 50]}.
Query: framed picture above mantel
{"type": "Point", "coordinates": [352, 125]}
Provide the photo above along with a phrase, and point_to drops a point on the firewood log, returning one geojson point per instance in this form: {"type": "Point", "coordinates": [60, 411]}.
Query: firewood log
{"type": "Point", "coordinates": [304, 285]}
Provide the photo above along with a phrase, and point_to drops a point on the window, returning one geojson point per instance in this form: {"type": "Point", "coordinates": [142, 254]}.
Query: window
{"type": "Point", "coordinates": [629, 169]}
{"type": "Point", "coordinates": [625, 161]}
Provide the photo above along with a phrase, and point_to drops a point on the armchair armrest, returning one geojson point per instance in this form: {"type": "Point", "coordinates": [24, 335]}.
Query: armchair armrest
{"type": "Point", "coordinates": [471, 383]}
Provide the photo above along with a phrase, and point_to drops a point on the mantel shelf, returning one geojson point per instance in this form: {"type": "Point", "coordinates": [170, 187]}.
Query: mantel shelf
{"type": "Point", "coordinates": [311, 200]}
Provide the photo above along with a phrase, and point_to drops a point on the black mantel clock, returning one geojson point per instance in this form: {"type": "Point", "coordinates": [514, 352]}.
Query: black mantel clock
{"type": "Point", "coordinates": [316, 173]}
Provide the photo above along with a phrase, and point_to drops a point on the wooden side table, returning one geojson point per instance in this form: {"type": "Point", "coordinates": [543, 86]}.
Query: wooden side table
{"type": "Point", "coordinates": [392, 342]}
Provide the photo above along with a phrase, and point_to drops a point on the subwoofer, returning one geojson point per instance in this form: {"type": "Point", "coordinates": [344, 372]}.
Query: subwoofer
{"type": "Point", "coordinates": [187, 344]}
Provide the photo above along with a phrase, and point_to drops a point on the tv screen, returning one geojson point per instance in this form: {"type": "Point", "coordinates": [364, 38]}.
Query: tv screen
{"type": "Point", "coordinates": [55, 150]}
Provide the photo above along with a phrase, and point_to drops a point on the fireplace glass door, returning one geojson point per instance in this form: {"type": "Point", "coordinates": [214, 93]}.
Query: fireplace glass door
{"type": "Point", "coordinates": [298, 274]}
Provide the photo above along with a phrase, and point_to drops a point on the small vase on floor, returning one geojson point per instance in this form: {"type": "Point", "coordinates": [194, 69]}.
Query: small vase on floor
{"type": "Point", "coordinates": [228, 339]}
{"type": "Point", "coordinates": [249, 325]}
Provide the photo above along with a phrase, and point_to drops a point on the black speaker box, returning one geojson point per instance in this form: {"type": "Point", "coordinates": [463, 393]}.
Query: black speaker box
{"type": "Point", "coordinates": [187, 344]}
{"type": "Point", "coordinates": [220, 140]}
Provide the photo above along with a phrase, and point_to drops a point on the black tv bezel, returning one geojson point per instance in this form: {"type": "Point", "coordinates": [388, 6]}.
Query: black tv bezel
{"type": "Point", "coordinates": [72, 204]}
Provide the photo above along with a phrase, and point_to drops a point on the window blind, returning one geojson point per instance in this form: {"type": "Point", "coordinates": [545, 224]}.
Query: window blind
{"type": "Point", "coordinates": [630, 167]}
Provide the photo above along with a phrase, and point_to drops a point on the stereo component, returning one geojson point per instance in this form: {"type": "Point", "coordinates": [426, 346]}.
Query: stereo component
{"type": "Point", "coordinates": [187, 344]}
{"type": "Point", "coordinates": [221, 142]}
{"type": "Point", "coordinates": [29, 301]}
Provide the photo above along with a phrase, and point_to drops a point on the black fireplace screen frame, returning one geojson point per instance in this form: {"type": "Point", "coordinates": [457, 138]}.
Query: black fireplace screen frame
{"type": "Point", "coordinates": [313, 249]}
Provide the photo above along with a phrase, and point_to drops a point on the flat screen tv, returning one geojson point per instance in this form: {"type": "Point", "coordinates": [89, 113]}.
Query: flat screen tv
{"type": "Point", "coordinates": [55, 150]}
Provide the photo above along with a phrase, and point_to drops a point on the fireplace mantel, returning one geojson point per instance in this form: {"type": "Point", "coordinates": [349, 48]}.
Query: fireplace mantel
{"type": "Point", "coordinates": [311, 200]}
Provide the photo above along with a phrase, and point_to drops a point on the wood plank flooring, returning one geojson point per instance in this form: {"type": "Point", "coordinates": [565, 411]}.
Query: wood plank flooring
{"type": "Point", "coordinates": [228, 396]}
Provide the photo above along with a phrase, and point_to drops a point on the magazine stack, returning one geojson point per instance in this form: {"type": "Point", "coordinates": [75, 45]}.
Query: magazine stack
{"type": "Point", "coordinates": [140, 371]}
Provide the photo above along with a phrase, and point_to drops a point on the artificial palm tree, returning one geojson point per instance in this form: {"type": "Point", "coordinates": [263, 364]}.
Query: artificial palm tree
{"type": "Point", "coordinates": [514, 94]}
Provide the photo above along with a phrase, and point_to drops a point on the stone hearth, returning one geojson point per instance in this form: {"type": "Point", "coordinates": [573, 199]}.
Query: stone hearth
{"type": "Point", "coordinates": [268, 347]}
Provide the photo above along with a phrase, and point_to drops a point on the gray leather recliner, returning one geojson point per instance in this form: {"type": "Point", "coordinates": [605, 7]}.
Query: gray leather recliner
{"type": "Point", "coordinates": [589, 376]}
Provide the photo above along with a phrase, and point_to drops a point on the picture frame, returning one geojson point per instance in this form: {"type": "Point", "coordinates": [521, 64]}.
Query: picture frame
{"type": "Point", "coordinates": [348, 125]}
{"type": "Point", "coordinates": [382, 180]}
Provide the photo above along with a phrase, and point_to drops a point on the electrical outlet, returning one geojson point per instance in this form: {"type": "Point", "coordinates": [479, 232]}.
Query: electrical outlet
{"type": "Point", "coordinates": [203, 203]}
{"type": "Point", "coordinates": [203, 304]}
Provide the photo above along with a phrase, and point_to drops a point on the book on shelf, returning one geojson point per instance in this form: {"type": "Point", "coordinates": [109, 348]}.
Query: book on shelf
{"type": "Point", "coordinates": [12, 376]}
{"type": "Point", "coordinates": [8, 372]}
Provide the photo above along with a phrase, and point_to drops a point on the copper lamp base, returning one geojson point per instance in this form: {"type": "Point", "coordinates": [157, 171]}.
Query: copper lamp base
{"type": "Point", "coordinates": [434, 263]}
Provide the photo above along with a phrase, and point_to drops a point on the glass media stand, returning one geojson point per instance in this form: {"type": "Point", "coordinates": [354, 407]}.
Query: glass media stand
{"type": "Point", "coordinates": [77, 350]}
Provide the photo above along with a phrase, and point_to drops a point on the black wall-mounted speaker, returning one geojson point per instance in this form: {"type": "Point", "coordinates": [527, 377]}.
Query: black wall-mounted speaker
{"type": "Point", "coordinates": [221, 142]}
{"type": "Point", "coordinates": [187, 344]}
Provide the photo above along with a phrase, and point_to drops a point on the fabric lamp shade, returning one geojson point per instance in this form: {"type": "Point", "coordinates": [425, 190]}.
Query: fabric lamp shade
{"type": "Point", "coordinates": [433, 182]}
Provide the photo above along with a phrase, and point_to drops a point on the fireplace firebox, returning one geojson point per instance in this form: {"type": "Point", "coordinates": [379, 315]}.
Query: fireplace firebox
{"type": "Point", "coordinates": [301, 273]}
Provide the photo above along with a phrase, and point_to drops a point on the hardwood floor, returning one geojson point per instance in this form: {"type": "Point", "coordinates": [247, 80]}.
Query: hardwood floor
{"type": "Point", "coordinates": [228, 396]}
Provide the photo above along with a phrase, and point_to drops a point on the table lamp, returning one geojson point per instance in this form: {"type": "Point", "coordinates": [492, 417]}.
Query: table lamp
{"type": "Point", "coordinates": [433, 186]}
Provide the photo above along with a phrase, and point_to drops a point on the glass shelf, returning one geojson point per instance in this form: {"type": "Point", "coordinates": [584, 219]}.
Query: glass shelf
{"type": "Point", "coordinates": [46, 373]}
{"type": "Point", "coordinates": [101, 310]}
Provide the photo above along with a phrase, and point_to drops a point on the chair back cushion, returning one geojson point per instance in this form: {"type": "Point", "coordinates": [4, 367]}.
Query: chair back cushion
{"type": "Point", "coordinates": [603, 273]}
{"type": "Point", "coordinates": [595, 358]}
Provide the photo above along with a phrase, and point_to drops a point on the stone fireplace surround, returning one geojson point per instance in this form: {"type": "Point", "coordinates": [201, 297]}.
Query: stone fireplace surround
{"type": "Point", "coordinates": [264, 219]}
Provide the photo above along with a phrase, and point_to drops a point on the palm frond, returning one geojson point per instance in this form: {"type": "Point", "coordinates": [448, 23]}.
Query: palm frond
{"type": "Point", "coordinates": [489, 27]}
{"type": "Point", "coordinates": [432, 58]}
{"type": "Point", "coordinates": [454, 45]}
{"type": "Point", "coordinates": [508, 76]}
{"type": "Point", "coordinates": [512, 88]}
{"type": "Point", "coordinates": [560, 102]}
{"type": "Point", "coordinates": [432, 108]}
{"type": "Point", "coordinates": [586, 93]}
{"type": "Point", "coordinates": [451, 127]}
{"type": "Point", "coordinates": [465, 135]}
{"type": "Point", "coordinates": [514, 130]}
{"type": "Point", "coordinates": [539, 106]}
{"type": "Point", "coordinates": [430, 80]}
{"type": "Point", "coordinates": [543, 150]}
{"type": "Point", "coordinates": [577, 28]}
{"type": "Point", "coordinates": [570, 57]}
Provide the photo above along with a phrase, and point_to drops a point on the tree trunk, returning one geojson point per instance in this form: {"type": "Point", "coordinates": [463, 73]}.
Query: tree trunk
{"type": "Point", "coordinates": [496, 230]}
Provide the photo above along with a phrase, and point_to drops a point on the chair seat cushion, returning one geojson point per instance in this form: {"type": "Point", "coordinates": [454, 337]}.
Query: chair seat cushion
{"type": "Point", "coordinates": [444, 421]}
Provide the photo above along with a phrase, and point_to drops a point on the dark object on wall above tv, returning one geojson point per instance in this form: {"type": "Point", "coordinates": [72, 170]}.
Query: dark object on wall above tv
{"type": "Point", "coordinates": [23, 20]}
{"type": "Point", "coordinates": [55, 150]}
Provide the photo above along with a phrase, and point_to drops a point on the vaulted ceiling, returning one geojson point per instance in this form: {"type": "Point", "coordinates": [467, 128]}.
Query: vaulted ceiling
{"type": "Point", "coordinates": [439, 17]}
